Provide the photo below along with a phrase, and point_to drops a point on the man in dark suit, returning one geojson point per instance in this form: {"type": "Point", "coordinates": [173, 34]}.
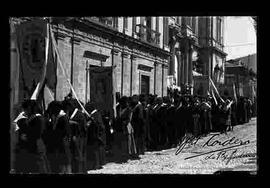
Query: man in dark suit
{"type": "Point", "coordinates": [171, 128]}
{"type": "Point", "coordinates": [137, 122]}
{"type": "Point", "coordinates": [96, 138]}
{"type": "Point", "coordinates": [77, 121]}
{"type": "Point", "coordinates": [61, 154]}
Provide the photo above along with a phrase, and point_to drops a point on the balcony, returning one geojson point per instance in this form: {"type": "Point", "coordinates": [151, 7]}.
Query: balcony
{"type": "Point", "coordinates": [187, 31]}
{"type": "Point", "coordinates": [218, 45]}
{"type": "Point", "coordinates": [105, 21]}
{"type": "Point", "coordinates": [147, 34]}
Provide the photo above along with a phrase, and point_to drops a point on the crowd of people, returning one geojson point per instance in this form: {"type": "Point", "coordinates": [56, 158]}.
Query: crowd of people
{"type": "Point", "coordinates": [65, 139]}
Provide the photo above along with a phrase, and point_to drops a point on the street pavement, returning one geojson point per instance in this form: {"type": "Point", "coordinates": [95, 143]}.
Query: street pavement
{"type": "Point", "coordinates": [234, 151]}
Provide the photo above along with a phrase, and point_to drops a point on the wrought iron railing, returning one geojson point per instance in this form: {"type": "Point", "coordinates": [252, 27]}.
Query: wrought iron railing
{"type": "Point", "coordinates": [147, 34]}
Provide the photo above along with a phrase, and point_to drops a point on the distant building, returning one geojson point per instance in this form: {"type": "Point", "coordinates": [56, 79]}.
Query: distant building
{"type": "Point", "coordinates": [249, 61]}
{"type": "Point", "coordinates": [238, 74]}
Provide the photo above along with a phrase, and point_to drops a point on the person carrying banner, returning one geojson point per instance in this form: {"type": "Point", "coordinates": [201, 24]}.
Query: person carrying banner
{"type": "Point", "coordinates": [30, 151]}
{"type": "Point", "coordinates": [61, 154]}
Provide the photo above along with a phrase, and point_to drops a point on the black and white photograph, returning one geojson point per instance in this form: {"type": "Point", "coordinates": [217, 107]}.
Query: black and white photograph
{"type": "Point", "coordinates": [136, 95]}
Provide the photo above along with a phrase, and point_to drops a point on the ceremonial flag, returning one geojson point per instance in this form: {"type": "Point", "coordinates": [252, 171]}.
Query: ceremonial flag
{"type": "Point", "coordinates": [14, 69]}
{"type": "Point", "coordinates": [234, 93]}
{"type": "Point", "coordinates": [32, 46]}
{"type": "Point", "coordinates": [213, 85]}
{"type": "Point", "coordinates": [213, 95]}
{"type": "Point", "coordinates": [42, 79]}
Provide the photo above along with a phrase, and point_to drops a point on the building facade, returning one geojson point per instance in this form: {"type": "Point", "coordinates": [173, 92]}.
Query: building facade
{"type": "Point", "coordinates": [240, 74]}
{"type": "Point", "coordinates": [197, 52]}
{"type": "Point", "coordinates": [108, 56]}
{"type": "Point", "coordinates": [184, 49]}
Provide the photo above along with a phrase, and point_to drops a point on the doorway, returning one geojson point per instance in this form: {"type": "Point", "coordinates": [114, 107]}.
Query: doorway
{"type": "Point", "coordinates": [145, 84]}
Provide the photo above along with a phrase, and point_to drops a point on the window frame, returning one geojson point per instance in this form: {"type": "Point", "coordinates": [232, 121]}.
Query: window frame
{"type": "Point", "coordinates": [125, 23]}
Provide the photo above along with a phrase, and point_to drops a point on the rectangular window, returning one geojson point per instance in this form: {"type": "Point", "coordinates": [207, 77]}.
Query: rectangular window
{"type": "Point", "coordinates": [157, 30]}
{"type": "Point", "coordinates": [165, 31]}
{"type": "Point", "coordinates": [178, 20]}
{"type": "Point", "coordinates": [157, 24]}
{"type": "Point", "coordinates": [218, 30]}
{"type": "Point", "coordinates": [106, 20]}
{"type": "Point", "coordinates": [115, 22]}
{"type": "Point", "coordinates": [145, 84]}
{"type": "Point", "coordinates": [133, 25]}
{"type": "Point", "coordinates": [194, 24]}
{"type": "Point", "coordinates": [125, 23]}
{"type": "Point", "coordinates": [188, 21]}
{"type": "Point", "coordinates": [148, 29]}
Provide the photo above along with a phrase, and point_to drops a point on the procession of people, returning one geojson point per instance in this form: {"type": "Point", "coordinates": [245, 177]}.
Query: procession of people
{"type": "Point", "coordinates": [66, 139]}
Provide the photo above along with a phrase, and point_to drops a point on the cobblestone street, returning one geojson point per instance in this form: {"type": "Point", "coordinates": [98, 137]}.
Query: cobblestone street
{"type": "Point", "coordinates": [243, 158]}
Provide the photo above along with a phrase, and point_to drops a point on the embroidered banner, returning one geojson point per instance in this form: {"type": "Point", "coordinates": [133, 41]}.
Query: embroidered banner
{"type": "Point", "coordinates": [31, 42]}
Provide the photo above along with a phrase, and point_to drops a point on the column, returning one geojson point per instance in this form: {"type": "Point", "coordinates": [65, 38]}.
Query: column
{"type": "Point", "coordinates": [117, 69]}
{"type": "Point", "coordinates": [158, 84]}
{"type": "Point", "coordinates": [190, 65]}
{"type": "Point", "coordinates": [162, 77]}
{"type": "Point", "coordinates": [172, 62]}
{"type": "Point", "coordinates": [165, 73]}
{"type": "Point", "coordinates": [126, 74]}
{"type": "Point", "coordinates": [77, 69]}
{"type": "Point", "coordinates": [186, 62]}
{"type": "Point", "coordinates": [155, 76]}
{"type": "Point", "coordinates": [179, 68]}
{"type": "Point", "coordinates": [134, 81]}
{"type": "Point", "coordinates": [86, 81]}
{"type": "Point", "coordinates": [182, 56]}
{"type": "Point", "coordinates": [116, 76]}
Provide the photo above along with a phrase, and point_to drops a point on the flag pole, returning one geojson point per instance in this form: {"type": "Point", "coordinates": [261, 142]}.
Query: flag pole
{"type": "Point", "coordinates": [64, 72]}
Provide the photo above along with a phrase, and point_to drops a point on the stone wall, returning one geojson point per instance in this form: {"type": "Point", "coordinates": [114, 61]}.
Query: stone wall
{"type": "Point", "coordinates": [125, 59]}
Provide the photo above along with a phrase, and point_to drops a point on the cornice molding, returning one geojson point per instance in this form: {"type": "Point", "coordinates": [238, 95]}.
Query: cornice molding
{"type": "Point", "coordinates": [133, 57]}
{"type": "Point", "coordinates": [125, 54]}
{"type": "Point", "coordinates": [75, 40]}
{"type": "Point", "coordinates": [60, 36]}
{"type": "Point", "coordinates": [115, 51]}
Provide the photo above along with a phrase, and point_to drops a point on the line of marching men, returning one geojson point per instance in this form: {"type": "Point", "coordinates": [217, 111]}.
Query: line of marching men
{"type": "Point", "coordinates": [65, 140]}
{"type": "Point", "coordinates": [62, 140]}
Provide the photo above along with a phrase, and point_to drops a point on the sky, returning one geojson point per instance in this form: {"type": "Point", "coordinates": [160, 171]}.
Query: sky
{"type": "Point", "coordinates": [239, 31]}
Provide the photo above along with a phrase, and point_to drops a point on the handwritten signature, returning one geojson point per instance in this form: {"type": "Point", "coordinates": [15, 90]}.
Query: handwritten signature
{"type": "Point", "coordinates": [226, 155]}
{"type": "Point", "coordinates": [229, 144]}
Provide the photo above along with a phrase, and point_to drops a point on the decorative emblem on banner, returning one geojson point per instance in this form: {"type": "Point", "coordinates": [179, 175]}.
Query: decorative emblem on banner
{"type": "Point", "coordinates": [34, 50]}
{"type": "Point", "coordinates": [31, 39]}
